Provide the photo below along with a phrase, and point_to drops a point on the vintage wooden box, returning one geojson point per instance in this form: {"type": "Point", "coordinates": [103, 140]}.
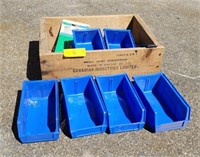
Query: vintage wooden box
{"type": "Point", "coordinates": [146, 58]}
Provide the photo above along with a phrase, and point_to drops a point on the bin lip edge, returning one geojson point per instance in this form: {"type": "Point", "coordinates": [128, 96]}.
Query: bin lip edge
{"type": "Point", "coordinates": [76, 77]}
{"type": "Point", "coordinates": [147, 75]}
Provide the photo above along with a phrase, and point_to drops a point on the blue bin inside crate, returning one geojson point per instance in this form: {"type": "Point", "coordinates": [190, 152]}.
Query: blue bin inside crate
{"type": "Point", "coordinates": [38, 115]}
{"type": "Point", "coordinates": [85, 113]}
{"type": "Point", "coordinates": [124, 108]}
{"type": "Point", "coordinates": [118, 38]}
{"type": "Point", "coordinates": [90, 39]}
{"type": "Point", "coordinates": [165, 107]}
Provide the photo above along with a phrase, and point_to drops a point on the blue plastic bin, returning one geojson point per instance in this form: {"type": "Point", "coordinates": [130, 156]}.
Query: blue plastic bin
{"type": "Point", "coordinates": [85, 113]}
{"type": "Point", "coordinates": [118, 38]}
{"type": "Point", "coordinates": [165, 107]}
{"type": "Point", "coordinates": [38, 116]}
{"type": "Point", "coordinates": [90, 39]}
{"type": "Point", "coordinates": [124, 108]}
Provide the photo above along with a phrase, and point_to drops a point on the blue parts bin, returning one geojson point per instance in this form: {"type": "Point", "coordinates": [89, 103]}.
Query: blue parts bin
{"type": "Point", "coordinates": [90, 39]}
{"type": "Point", "coordinates": [85, 113]}
{"type": "Point", "coordinates": [165, 107]}
{"type": "Point", "coordinates": [124, 108]}
{"type": "Point", "coordinates": [38, 116]}
{"type": "Point", "coordinates": [118, 38]}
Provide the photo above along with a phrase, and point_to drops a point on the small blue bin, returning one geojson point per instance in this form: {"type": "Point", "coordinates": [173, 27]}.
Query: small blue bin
{"type": "Point", "coordinates": [124, 108]}
{"type": "Point", "coordinates": [90, 39]}
{"type": "Point", "coordinates": [85, 113]}
{"type": "Point", "coordinates": [118, 38]}
{"type": "Point", "coordinates": [165, 107]}
{"type": "Point", "coordinates": [38, 116]}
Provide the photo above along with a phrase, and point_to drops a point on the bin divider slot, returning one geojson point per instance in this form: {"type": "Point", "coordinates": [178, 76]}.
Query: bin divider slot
{"type": "Point", "coordinates": [42, 92]}
{"type": "Point", "coordinates": [115, 37]}
{"type": "Point", "coordinates": [146, 85]}
{"type": "Point", "coordinates": [110, 84]}
{"type": "Point", "coordinates": [85, 37]}
{"type": "Point", "coordinates": [76, 86]}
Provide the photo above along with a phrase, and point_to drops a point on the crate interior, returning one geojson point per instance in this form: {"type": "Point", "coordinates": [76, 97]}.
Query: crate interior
{"type": "Point", "coordinates": [50, 27]}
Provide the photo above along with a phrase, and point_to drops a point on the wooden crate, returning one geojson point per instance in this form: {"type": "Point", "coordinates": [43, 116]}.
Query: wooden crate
{"type": "Point", "coordinates": [139, 60]}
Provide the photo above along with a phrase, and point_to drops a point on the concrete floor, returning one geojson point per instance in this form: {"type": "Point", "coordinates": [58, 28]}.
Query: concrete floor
{"type": "Point", "coordinates": [175, 23]}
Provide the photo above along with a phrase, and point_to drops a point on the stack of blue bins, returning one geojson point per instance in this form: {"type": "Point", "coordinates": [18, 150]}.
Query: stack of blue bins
{"type": "Point", "coordinates": [108, 103]}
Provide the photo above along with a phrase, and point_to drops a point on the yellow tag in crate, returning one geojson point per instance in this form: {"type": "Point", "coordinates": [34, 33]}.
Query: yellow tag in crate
{"type": "Point", "coordinates": [77, 52]}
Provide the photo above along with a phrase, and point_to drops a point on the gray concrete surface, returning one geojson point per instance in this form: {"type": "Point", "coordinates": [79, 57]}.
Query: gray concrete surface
{"type": "Point", "coordinates": [175, 23]}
